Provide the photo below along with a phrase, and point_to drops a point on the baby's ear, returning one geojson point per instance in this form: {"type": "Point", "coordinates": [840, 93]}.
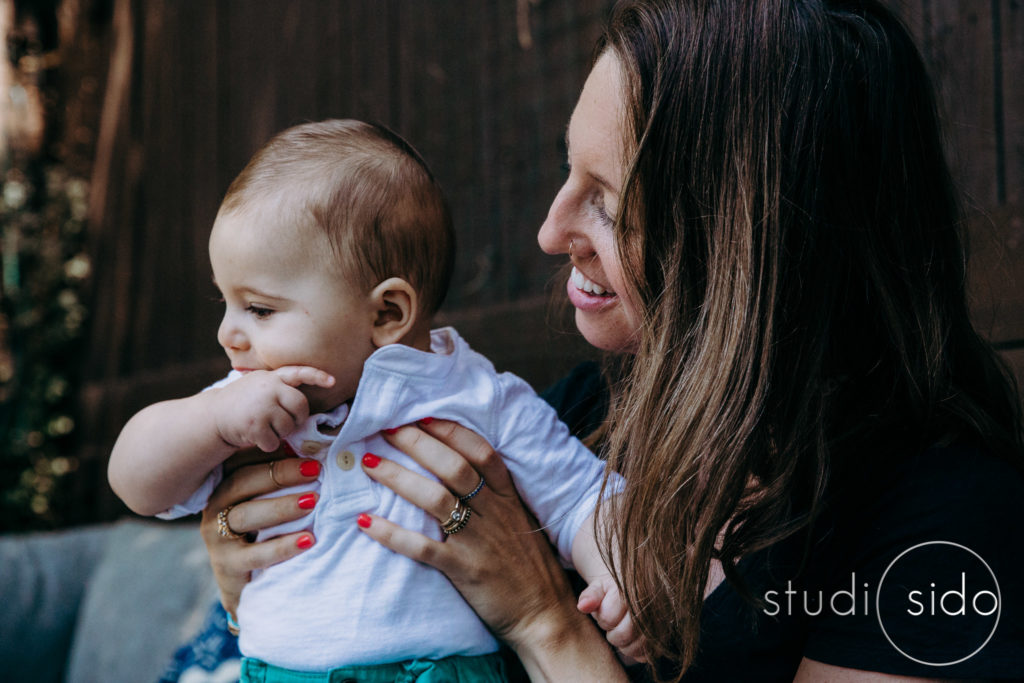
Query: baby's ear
{"type": "Point", "coordinates": [395, 306]}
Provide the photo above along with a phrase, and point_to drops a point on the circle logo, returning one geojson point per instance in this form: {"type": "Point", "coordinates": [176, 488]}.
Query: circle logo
{"type": "Point", "coordinates": [938, 594]}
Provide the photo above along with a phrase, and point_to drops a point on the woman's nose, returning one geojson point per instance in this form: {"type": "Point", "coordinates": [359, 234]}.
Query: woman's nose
{"type": "Point", "coordinates": [555, 232]}
{"type": "Point", "coordinates": [230, 336]}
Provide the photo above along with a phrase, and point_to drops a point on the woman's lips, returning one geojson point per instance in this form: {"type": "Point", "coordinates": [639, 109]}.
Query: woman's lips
{"type": "Point", "coordinates": [587, 295]}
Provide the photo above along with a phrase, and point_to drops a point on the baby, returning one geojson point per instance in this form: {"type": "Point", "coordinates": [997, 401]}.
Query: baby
{"type": "Point", "coordinates": [332, 250]}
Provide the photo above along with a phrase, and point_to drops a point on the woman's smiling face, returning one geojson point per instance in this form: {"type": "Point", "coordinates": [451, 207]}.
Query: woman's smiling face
{"type": "Point", "coordinates": [581, 219]}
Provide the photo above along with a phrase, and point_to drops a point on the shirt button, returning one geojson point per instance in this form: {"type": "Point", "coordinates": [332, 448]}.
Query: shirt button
{"type": "Point", "coordinates": [310, 447]}
{"type": "Point", "coordinates": [346, 460]}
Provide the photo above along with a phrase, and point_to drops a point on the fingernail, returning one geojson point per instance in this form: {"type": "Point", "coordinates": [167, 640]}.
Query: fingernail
{"type": "Point", "coordinates": [371, 460]}
{"type": "Point", "coordinates": [426, 420]}
{"type": "Point", "coordinates": [307, 502]}
{"type": "Point", "coordinates": [304, 541]}
{"type": "Point", "coordinates": [391, 430]}
{"type": "Point", "coordinates": [364, 520]}
{"type": "Point", "coordinates": [309, 468]}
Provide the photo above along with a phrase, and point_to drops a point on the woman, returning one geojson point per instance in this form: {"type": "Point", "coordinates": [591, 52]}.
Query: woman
{"type": "Point", "coordinates": [819, 448]}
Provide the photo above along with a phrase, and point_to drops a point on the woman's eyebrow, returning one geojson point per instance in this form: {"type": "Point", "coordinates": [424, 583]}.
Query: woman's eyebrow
{"type": "Point", "coordinates": [603, 183]}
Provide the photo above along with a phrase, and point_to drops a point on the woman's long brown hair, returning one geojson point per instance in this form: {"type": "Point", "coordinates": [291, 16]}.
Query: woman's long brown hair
{"type": "Point", "coordinates": [791, 230]}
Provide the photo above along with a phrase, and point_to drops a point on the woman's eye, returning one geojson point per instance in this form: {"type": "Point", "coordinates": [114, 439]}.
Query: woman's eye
{"type": "Point", "coordinates": [259, 311]}
{"type": "Point", "coordinates": [566, 167]}
{"type": "Point", "coordinates": [601, 212]}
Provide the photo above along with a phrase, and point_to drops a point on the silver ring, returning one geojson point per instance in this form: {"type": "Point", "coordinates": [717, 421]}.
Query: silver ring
{"type": "Point", "coordinates": [465, 498]}
{"type": "Point", "coordinates": [223, 528]}
{"type": "Point", "coordinates": [457, 519]}
{"type": "Point", "coordinates": [272, 477]}
{"type": "Point", "coordinates": [570, 248]}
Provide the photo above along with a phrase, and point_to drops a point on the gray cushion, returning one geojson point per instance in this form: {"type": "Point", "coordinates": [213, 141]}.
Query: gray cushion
{"type": "Point", "coordinates": [149, 594]}
{"type": "Point", "coordinates": [42, 579]}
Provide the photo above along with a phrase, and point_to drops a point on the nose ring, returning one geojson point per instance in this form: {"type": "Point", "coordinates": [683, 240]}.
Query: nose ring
{"type": "Point", "coordinates": [570, 248]}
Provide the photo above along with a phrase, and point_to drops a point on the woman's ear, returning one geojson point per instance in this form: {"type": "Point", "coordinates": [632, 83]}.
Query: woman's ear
{"type": "Point", "coordinates": [395, 306]}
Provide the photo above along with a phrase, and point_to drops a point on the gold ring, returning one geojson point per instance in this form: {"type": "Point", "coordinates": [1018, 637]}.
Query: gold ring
{"type": "Point", "coordinates": [457, 519]}
{"type": "Point", "coordinates": [465, 498]}
{"type": "Point", "coordinates": [272, 477]}
{"type": "Point", "coordinates": [223, 528]}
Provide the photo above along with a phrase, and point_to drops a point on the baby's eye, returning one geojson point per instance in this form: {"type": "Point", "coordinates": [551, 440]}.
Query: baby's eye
{"type": "Point", "coordinates": [259, 311]}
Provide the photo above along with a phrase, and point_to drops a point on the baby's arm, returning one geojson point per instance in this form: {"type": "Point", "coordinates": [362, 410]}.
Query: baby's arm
{"type": "Point", "coordinates": [166, 450]}
{"type": "Point", "coordinates": [601, 598]}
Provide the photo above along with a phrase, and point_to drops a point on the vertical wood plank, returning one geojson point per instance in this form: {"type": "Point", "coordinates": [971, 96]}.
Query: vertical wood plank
{"type": "Point", "coordinates": [1012, 43]}
{"type": "Point", "coordinates": [959, 50]}
{"type": "Point", "coordinates": [202, 188]}
{"type": "Point", "coordinates": [114, 189]}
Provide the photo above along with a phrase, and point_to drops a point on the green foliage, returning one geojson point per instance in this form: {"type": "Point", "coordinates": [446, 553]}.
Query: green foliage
{"type": "Point", "coordinates": [43, 269]}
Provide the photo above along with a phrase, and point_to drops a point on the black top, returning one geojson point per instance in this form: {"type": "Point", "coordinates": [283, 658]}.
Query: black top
{"type": "Point", "coordinates": [916, 568]}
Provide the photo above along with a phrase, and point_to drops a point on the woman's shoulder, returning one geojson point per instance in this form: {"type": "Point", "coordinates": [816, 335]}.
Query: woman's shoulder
{"type": "Point", "coordinates": [956, 491]}
{"type": "Point", "coordinates": [926, 566]}
{"type": "Point", "coordinates": [915, 568]}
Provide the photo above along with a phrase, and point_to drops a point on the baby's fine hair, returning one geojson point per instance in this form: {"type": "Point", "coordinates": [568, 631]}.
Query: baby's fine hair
{"type": "Point", "coordinates": [371, 194]}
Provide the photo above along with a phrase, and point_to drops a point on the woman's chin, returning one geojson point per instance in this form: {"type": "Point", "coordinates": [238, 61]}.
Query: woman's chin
{"type": "Point", "coordinates": [607, 331]}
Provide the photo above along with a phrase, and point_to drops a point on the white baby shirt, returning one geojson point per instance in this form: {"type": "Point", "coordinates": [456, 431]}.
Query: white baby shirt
{"type": "Point", "coordinates": [350, 601]}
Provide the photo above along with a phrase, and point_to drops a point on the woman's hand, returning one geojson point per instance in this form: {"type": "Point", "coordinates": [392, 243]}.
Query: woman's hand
{"type": "Point", "coordinates": [249, 474]}
{"type": "Point", "coordinates": [502, 564]}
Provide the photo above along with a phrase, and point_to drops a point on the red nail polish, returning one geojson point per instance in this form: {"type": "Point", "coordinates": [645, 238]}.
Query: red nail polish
{"type": "Point", "coordinates": [307, 502]}
{"type": "Point", "coordinates": [364, 520]}
{"type": "Point", "coordinates": [426, 420]}
{"type": "Point", "coordinates": [391, 430]}
{"type": "Point", "coordinates": [304, 542]}
{"type": "Point", "coordinates": [309, 468]}
{"type": "Point", "coordinates": [371, 460]}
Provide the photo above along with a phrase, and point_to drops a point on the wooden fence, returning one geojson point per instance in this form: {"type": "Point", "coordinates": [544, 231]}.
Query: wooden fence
{"type": "Point", "coordinates": [484, 90]}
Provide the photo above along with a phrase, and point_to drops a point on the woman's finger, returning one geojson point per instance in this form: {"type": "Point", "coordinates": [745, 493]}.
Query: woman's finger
{"type": "Point", "coordinates": [445, 463]}
{"type": "Point", "coordinates": [474, 448]}
{"type": "Point", "coordinates": [251, 480]}
{"type": "Point", "coordinates": [422, 492]}
{"type": "Point", "coordinates": [413, 545]}
{"type": "Point", "coordinates": [252, 515]}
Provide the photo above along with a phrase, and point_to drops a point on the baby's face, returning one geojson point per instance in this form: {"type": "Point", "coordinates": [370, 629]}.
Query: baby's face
{"type": "Point", "coordinates": [285, 305]}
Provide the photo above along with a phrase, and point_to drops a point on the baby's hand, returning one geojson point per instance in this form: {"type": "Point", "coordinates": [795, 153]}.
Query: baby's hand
{"type": "Point", "coordinates": [601, 599]}
{"type": "Point", "coordinates": [264, 406]}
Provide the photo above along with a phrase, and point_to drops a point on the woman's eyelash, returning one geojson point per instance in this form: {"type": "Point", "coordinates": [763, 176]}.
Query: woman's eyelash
{"type": "Point", "coordinates": [601, 211]}
{"type": "Point", "coordinates": [566, 167]}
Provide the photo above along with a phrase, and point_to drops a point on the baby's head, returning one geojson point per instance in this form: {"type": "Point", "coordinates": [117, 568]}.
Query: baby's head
{"type": "Point", "coordinates": [334, 240]}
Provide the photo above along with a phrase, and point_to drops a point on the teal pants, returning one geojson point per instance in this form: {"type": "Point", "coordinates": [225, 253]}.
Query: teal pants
{"type": "Point", "coordinates": [483, 669]}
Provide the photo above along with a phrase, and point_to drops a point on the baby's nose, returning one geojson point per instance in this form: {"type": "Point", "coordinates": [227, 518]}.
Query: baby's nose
{"type": "Point", "coordinates": [231, 336]}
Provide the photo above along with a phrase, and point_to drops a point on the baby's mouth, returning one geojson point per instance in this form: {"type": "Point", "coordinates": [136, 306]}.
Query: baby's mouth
{"type": "Point", "coordinates": [589, 286]}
